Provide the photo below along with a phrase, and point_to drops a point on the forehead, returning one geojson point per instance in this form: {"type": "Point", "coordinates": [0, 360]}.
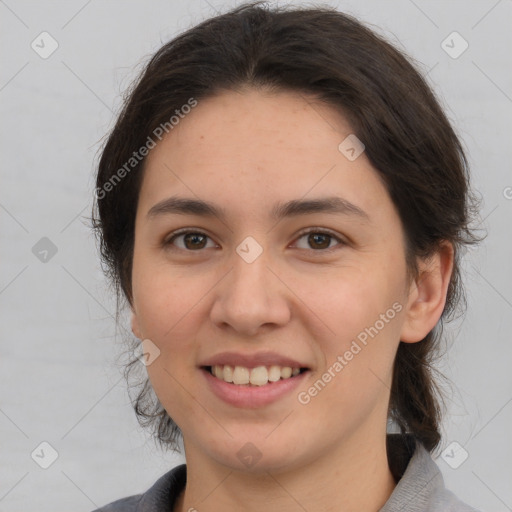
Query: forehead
{"type": "Point", "coordinates": [259, 148]}
{"type": "Point", "coordinates": [258, 120]}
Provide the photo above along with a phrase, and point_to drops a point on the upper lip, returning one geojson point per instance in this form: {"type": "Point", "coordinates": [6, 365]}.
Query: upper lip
{"type": "Point", "coordinates": [252, 360]}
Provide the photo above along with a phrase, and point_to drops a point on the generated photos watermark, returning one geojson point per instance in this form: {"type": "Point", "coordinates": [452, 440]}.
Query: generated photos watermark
{"type": "Point", "coordinates": [143, 151]}
{"type": "Point", "coordinates": [361, 341]}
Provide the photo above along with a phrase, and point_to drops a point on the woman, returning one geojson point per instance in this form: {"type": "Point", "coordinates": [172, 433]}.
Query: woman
{"type": "Point", "coordinates": [282, 203]}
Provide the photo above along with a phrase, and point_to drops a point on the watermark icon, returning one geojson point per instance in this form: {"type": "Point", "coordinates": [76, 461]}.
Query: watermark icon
{"type": "Point", "coordinates": [454, 455]}
{"type": "Point", "coordinates": [454, 45]}
{"type": "Point", "coordinates": [44, 45]}
{"type": "Point", "coordinates": [44, 250]}
{"type": "Point", "coordinates": [304, 397]}
{"type": "Point", "coordinates": [507, 192]}
{"type": "Point", "coordinates": [148, 352]}
{"type": "Point", "coordinates": [44, 455]}
{"type": "Point", "coordinates": [249, 249]}
{"type": "Point", "coordinates": [143, 151]}
{"type": "Point", "coordinates": [351, 147]}
{"type": "Point", "coordinates": [249, 455]}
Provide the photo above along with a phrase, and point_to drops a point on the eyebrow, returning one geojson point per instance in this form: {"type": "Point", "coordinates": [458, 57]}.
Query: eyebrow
{"type": "Point", "coordinates": [295, 207]}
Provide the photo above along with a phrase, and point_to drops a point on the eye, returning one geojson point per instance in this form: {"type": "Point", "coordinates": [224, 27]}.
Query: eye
{"type": "Point", "coordinates": [192, 240]}
{"type": "Point", "coordinates": [319, 240]}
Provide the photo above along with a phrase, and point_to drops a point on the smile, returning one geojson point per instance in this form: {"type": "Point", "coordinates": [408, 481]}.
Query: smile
{"type": "Point", "coordinates": [258, 376]}
{"type": "Point", "coordinates": [251, 388]}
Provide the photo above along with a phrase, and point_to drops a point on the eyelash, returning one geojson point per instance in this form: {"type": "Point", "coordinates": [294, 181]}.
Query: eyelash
{"type": "Point", "coordinates": [168, 241]}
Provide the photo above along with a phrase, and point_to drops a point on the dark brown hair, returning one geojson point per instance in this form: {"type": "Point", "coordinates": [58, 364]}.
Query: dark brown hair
{"type": "Point", "coordinates": [331, 56]}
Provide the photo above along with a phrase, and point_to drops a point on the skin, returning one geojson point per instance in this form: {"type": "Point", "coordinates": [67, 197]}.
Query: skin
{"type": "Point", "coordinates": [246, 151]}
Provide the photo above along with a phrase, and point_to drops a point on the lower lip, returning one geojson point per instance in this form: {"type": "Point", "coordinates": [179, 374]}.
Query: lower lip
{"type": "Point", "coordinates": [249, 396]}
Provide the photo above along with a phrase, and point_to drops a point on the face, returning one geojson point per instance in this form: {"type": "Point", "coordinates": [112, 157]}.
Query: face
{"type": "Point", "coordinates": [257, 289]}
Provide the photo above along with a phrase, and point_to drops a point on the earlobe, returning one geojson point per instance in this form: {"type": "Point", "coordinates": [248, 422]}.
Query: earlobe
{"type": "Point", "coordinates": [135, 326]}
{"type": "Point", "coordinates": [427, 294]}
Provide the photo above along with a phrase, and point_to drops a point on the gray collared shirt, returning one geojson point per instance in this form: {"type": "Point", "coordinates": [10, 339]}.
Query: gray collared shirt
{"type": "Point", "coordinates": [420, 486]}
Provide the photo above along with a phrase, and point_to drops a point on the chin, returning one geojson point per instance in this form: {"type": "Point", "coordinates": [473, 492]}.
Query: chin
{"type": "Point", "coordinates": [258, 453]}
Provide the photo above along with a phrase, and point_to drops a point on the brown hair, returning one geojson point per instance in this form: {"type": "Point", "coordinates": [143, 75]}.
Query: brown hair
{"type": "Point", "coordinates": [334, 57]}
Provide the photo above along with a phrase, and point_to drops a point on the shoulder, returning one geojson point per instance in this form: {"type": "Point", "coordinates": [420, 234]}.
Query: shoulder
{"type": "Point", "coordinates": [420, 486]}
{"type": "Point", "coordinates": [129, 504]}
{"type": "Point", "coordinates": [448, 502]}
{"type": "Point", "coordinates": [160, 497]}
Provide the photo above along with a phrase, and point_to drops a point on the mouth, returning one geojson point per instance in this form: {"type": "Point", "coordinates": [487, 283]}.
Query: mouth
{"type": "Point", "coordinates": [253, 377]}
{"type": "Point", "coordinates": [253, 388]}
{"type": "Point", "coordinates": [253, 380]}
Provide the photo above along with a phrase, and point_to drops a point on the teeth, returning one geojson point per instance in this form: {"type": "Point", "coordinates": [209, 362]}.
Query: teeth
{"type": "Point", "coordinates": [286, 372]}
{"type": "Point", "coordinates": [240, 375]}
{"type": "Point", "coordinates": [274, 373]}
{"type": "Point", "coordinates": [228, 373]}
{"type": "Point", "coordinates": [258, 376]}
{"type": "Point", "coordinates": [218, 372]}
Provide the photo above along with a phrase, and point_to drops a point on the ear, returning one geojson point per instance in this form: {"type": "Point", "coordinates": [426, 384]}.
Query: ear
{"type": "Point", "coordinates": [135, 325]}
{"type": "Point", "coordinates": [427, 294]}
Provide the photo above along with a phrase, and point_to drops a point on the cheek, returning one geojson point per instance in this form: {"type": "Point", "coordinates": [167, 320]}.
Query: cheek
{"type": "Point", "coordinates": [352, 299]}
{"type": "Point", "coordinates": [357, 375]}
{"type": "Point", "coordinates": [171, 384]}
{"type": "Point", "coordinates": [163, 300]}
{"type": "Point", "coordinates": [364, 311]}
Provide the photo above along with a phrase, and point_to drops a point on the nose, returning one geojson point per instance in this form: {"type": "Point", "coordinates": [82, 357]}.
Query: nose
{"type": "Point", "coordinates": [252, 297]}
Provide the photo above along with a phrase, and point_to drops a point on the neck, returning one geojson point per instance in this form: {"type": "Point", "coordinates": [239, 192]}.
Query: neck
{"type": "Point", "coordinates": [354, 477]}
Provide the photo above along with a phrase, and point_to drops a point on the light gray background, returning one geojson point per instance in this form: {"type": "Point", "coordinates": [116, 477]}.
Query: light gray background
{"type": "Point", "coordinates": [59, 379]}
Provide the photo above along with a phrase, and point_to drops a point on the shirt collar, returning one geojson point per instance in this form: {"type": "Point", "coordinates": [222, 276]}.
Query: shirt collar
{"type": "Point", "coordinates": [411, 464]}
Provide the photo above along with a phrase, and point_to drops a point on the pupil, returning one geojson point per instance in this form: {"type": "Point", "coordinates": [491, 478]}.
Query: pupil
{"type": "Point", "coordinates": [314, 238]}
{"type": "Point", "coordinates": [193, 236]}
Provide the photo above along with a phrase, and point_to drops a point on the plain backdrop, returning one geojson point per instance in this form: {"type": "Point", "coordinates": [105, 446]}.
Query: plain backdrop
{"type": "Point", "coordinates": [59, 379]}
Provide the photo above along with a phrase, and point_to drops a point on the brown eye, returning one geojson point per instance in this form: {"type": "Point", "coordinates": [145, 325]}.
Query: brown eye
{"type": "Point", "coordinates": [319, 240]}
{"type": "Point", "coordinates": [192, 240]}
